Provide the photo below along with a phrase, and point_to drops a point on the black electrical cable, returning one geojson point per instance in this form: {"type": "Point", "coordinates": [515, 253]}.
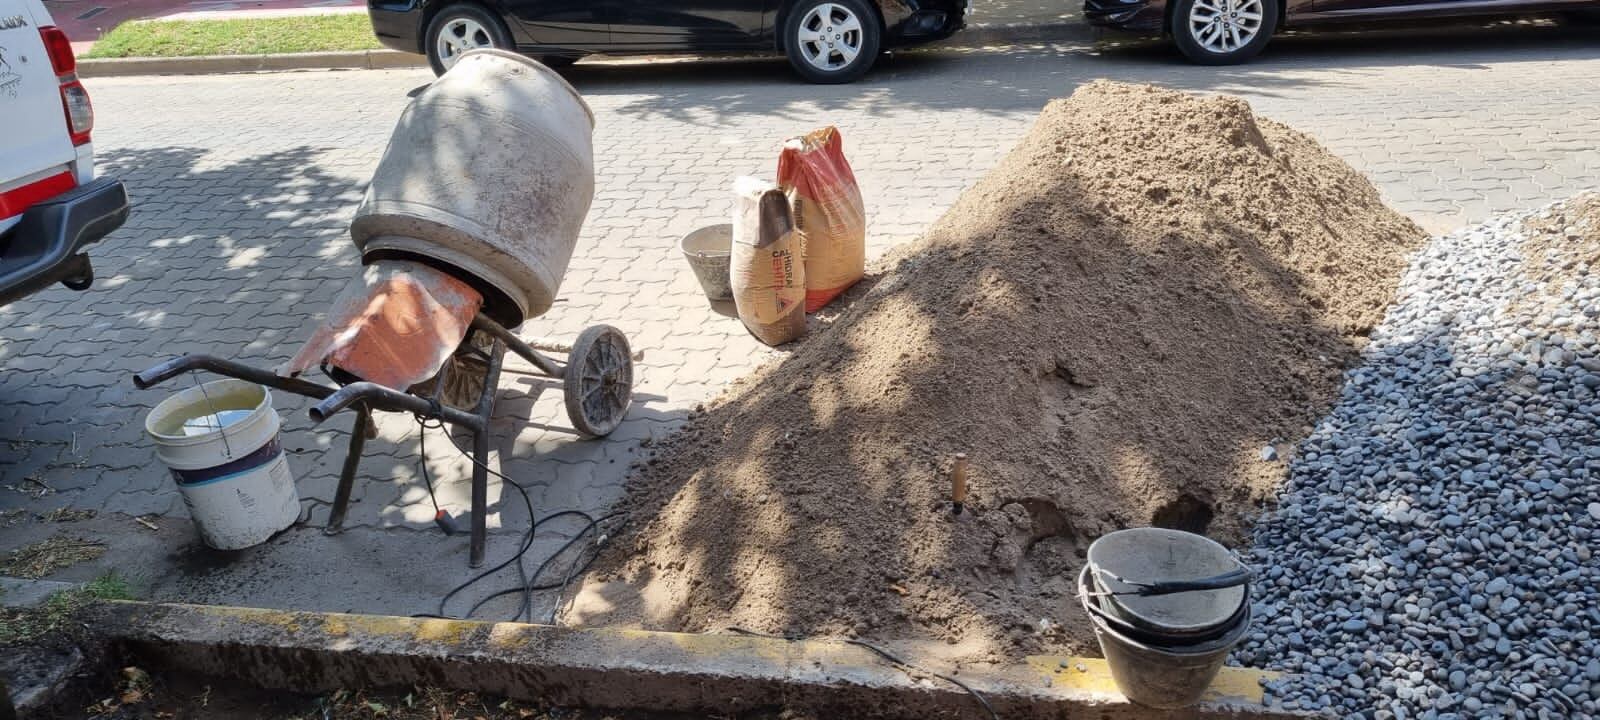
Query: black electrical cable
{"type": "Point", "coordinates": [523, 579]}
{"type": "Point", "coordinates": [561, 593]}
{"type": "Point", "coordinates": [904, 666]}
{"type": "Point", "coordinates": [573, 571]}
{"type": "Point", "coordinates": [526, 581]}
{"type": "Point", "coordinates": [526, 584]}
{"type": "Point", "coordinates": [422, 459]}
{"type": "Point", "coordinates": [524, 545]}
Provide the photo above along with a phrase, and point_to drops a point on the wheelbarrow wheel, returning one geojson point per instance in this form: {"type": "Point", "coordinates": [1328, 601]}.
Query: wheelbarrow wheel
{"type": "Point", "coordinates": [599, 380]}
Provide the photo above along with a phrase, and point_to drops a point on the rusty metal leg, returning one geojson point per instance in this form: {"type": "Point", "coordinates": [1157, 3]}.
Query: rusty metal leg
{"type": "Point", "coordinates": [480, 494]}
{"type": "Point", "coordinates": [480, 454]}
{"type": "Point", "coordinates": [347, 475]}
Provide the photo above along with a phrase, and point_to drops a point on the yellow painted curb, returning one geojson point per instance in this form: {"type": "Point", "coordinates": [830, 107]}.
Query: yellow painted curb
{"type": "Point", "coordinates": [625, 669]}
{"type": "Point", "coordinates": [1233, 685]}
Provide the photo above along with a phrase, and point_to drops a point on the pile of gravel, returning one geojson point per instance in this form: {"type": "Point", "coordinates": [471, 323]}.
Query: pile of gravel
{"type": "Point", "coordinates": [1433, 552]}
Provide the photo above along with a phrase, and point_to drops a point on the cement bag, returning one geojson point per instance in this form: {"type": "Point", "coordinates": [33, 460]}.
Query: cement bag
{"type": "Point", "coordinates": [767, 271]}
{"type": "Point", "coordinates": [827, 207]}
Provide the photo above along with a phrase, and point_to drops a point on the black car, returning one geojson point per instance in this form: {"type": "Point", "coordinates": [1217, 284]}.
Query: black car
{"type": "Point", "coordinates": [827, 41]}
{"type": "Point", "coordinates": [1224, 32]}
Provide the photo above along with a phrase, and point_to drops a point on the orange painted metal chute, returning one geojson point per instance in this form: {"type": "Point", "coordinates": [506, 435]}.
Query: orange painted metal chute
{"type": "Point", "coordinates": [396, 324]}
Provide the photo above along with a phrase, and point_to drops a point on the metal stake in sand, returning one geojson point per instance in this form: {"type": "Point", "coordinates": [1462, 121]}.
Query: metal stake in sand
{"type": "Point", "coordinates": [958, 482]}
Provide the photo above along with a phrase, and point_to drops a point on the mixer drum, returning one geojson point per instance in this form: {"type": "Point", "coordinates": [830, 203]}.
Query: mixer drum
{"type": "Point", "coordinates": [488, 175]}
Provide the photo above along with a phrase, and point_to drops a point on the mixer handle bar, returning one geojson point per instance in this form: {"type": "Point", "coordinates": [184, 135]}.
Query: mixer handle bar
{"type": "Point", "coordinates": [383, 398]}
{"type": "Point", "coordinates": [227, 368]}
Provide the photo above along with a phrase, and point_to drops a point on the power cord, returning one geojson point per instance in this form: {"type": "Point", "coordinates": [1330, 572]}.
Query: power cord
{"type": "Point", "coordinates": [903, 666]}
{"type": "Point", "coordinates": [422, 460]}
{"type": "Point", "coordinates": [527, 584]}
{"type": "Point", "coordinates": [573, 571]}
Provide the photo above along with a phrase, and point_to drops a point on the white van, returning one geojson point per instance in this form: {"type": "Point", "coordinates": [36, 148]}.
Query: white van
{"type": "Point", "coordinates": [51, 204]}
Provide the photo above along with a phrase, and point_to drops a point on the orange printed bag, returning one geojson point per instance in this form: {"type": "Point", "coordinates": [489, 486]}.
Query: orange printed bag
{"type": "Point", "coordinates": [766, 272]}
{"type": "Point", "coordinates": [828, 212]}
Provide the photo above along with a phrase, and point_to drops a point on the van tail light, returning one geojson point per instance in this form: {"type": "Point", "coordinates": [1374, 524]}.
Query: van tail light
{"type": "Point", "coordinates": [59, 48]}
{"type": "Point", "coordinates": [80, 114]}
{"type": "Point", "coordinates": [74, 99]}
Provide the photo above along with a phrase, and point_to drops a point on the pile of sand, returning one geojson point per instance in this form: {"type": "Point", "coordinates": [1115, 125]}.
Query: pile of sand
{"type": "Point", "coordinates": [1112, 324]}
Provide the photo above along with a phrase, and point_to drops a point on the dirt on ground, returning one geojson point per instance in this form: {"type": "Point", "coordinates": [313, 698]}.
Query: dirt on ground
{"type": "Point", "coordinates": [1553, 234]}
{"type": "Point", "coordinates": [46, 557]}
{"type": "Point", "coordinates": [1113, 325]}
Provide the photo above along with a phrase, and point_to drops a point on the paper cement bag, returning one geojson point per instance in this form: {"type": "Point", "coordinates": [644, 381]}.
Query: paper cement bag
{"type": "Point", "coordinates": [768, 269]}
{"type": "Point", "coordinates": [828, 210]}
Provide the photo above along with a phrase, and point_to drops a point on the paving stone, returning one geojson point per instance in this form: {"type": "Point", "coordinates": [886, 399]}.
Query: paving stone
{"type": "Point", "coordinates": [245, 185]}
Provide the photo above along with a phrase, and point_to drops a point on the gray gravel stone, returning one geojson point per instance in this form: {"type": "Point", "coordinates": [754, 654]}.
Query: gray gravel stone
{"type": "Point", "coordinates": [1431, 553]}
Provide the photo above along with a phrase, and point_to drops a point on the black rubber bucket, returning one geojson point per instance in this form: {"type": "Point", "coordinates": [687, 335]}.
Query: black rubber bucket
{"type": "Point", "coordinates": [1167, 608]}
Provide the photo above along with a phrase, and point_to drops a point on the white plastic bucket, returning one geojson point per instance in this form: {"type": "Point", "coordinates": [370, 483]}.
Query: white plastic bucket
{"type": "Point", "coordinates": [220, 441]}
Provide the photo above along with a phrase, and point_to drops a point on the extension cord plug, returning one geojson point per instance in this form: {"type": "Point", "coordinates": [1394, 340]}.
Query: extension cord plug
{"type": "Point", "coordinates": [446, 522]}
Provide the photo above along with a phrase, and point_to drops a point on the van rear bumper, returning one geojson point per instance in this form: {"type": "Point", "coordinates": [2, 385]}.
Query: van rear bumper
{"type": "Point", "coordinates": [47, 245]}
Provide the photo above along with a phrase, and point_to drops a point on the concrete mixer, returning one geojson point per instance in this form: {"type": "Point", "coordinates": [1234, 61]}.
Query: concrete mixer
{"type": "Point", "coordinates": [490, 171]}
{"type": "Point", "coordinates": [466, 231]}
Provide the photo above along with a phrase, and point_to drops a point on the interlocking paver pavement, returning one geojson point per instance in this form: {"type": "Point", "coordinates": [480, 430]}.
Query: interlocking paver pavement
{"type": "Point", "coordinates": [245, 185]}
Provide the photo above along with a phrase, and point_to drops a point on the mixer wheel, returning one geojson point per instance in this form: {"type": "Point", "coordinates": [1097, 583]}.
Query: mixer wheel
{"type": "Point", "coordinates": [598, 380]}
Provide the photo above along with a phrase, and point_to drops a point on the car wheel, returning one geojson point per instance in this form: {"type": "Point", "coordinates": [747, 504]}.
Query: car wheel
{"type": "Point", "coordinates": [831, 41]}
{"type": "Point", "coordinates": [460, 28]}
{"type": "Point", "coordinates": [1223, 32]}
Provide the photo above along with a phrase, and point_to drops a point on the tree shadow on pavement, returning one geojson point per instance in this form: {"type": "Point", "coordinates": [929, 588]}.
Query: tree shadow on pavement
{"type": "Point", "coordinates": [238, 256]}
{"type": "Point", "coordinates": [220, 255]}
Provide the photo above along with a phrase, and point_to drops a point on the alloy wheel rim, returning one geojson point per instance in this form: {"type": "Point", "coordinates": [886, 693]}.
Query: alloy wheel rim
{"type": "Point", "coordinates": [460, 35]}
{"type": "Point", "coordinates": [1225, 26]}
{"type": "Point", "coordinates": [830, 37]}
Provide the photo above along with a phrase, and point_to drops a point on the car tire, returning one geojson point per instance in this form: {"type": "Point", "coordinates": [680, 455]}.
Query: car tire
{"type": "Point", "coordinates": [1222, 32]}
{"type": "Point", "coordinates": [831, 41]}
{"type": "Point", "coordinates": [459, 28]}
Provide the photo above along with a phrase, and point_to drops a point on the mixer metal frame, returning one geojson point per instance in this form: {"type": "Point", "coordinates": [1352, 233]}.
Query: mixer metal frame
{"type": "Point", "coordinates": [614, 373]}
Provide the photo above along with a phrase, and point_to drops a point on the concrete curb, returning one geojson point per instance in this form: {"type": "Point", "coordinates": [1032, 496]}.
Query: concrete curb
{"type": "Point", "coordinates": [216, 64]}
{"type": "Point", "coordinates": [620, 669]}
{"type": "Point", "coordinates": [976, 36]}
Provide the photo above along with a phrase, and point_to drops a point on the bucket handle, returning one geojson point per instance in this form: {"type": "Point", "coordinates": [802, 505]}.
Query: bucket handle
{"type": "Point", "coordinates": [1232, 578]}
{"type": "Point", "coordinates": [227, 449]}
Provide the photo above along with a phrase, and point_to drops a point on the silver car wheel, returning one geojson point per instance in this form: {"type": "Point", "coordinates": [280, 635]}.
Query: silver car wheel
{"type": "Point", "coordinates": [830, 37]}
{"type": "Point", "coordinates": [458, 36]}
{"type": "Point", "coordinates": [1224, 26]}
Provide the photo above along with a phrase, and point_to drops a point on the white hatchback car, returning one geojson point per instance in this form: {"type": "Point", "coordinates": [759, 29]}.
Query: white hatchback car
{"type": "Point", "coordinates": [51, 204]}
